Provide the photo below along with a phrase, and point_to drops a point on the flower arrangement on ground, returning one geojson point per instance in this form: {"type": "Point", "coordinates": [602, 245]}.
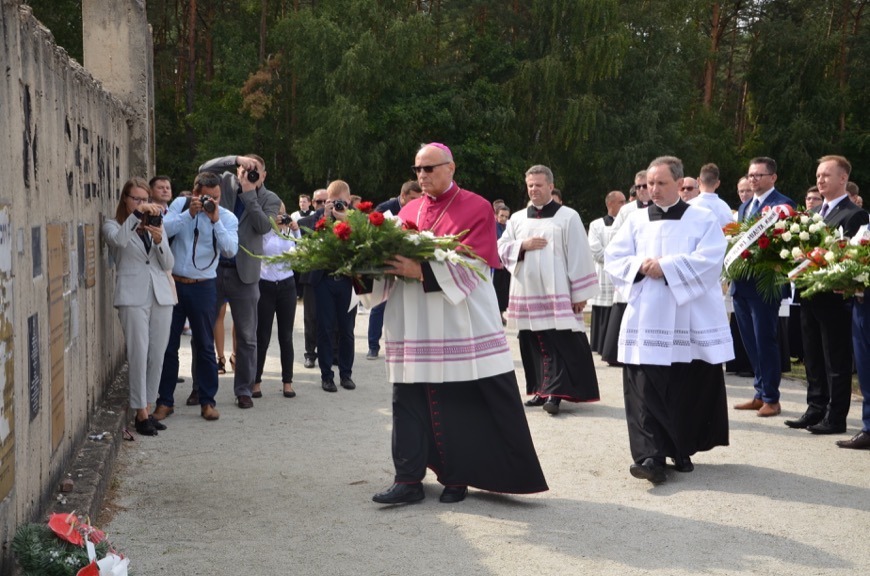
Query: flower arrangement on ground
{"type": "Point", "coordinates": [361, 245]}
{"type": "Point", "coordinates": [766, 248]}
{"type": "Point", "coordinates": [66, 545]}
{"type": "Point", "coordinates": [843, 267]}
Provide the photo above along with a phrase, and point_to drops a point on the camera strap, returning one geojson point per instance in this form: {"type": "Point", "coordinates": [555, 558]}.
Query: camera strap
{"type": "Point", "coordinates": [196, 241]}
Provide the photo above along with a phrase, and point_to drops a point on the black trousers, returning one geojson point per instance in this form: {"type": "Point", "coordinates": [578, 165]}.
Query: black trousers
{"type": "Point", "coordinates": [277, 300]}
{"type": "Point", "coordinates": [826, 328]}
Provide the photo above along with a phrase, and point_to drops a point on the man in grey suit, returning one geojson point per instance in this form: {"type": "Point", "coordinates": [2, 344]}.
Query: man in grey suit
{"type": "Point", "coordinates": [244, 194]}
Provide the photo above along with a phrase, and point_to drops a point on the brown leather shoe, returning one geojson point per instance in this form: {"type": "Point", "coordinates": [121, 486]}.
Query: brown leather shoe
{"type": "Point", "coordinates": [244, 402]}
{"type": "Point", "coordinates": [769, 409]}
{"type": "Point", "coordinates": [209, 412]}
{"type": "Point", "coordinates": [162, 412]}
{"type": "Point", "coordinates": [859, 441]}
{"type": "Point", "coordinates": [754, 404]}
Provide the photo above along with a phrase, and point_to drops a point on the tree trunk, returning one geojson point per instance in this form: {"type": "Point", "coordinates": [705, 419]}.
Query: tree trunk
{"type": "Point", "coordinates": [264, 8]}
{"type": "Point", "coordinates": [712, 57]}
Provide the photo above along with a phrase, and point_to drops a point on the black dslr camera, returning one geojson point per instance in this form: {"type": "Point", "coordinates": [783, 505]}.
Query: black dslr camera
{"type": "Point", "coordinates": [339, 205]}
{"type": "Point", "coordinates": [283, 219]}
{"type": "Point", "coordinates": [153, 220]}
{"type": "Point", "coordinates": [253, 175]}
{"type": "Point", "coordinates": [208, 203]}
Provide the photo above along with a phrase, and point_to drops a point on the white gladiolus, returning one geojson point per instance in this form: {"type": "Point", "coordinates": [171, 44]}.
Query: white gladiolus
{"type": "Point", "coordinates": [427, 234]}
{"type": "Point", "coordinates": [453, 257]}
{"type": "Point", "coordinates": [440, 255]}
{"type": "Point", "coordinates": [862, 278]}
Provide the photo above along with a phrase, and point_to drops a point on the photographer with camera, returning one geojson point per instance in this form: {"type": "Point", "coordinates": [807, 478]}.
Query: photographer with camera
{"type": "Point", "coordinates": [143, 293]}
{"type": "Point", "coordinates": [332, 296]}
{"type": "Point", "coordinates": [201, 231]}
{"type": "Point", "coordinates": [244, 193]}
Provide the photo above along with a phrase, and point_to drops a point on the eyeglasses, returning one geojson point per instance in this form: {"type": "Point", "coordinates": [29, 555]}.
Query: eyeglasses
{"type": "Point", "coordinates": [687, 188]}
{"type": "Point", "coordinates": [640, 186]}
{"type": "Point", "coordinates": [319, 202]}
{"type": "Point", "coordinates": [757, 176]}
{"type": "Point", "coordinates": [426, 169]}
{"type": "Point", "coordinates": [138, 199]}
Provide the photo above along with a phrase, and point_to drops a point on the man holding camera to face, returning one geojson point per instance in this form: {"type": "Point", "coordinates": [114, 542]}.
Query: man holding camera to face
{"type": "Point", "coordinates": [238, 277]}
{"type": "Point", "coordinates": [332, 295]}
{"type": "Point", "coordinates": [201, 231]}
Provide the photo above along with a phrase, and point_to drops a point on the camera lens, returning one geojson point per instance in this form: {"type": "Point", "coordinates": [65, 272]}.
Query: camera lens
{"type": "Point", "coordinates": [339, 205]}
{"type": "Point", "coordinates": [253, 176]}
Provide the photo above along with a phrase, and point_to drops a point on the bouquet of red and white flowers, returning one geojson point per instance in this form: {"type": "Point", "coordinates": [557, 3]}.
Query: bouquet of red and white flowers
{"type": "Point", "coordinates": [844, 266]}
{"type": "Point", "coordinates": [361, 245]}
{"type": "Point", "coordinates": [766, 248]}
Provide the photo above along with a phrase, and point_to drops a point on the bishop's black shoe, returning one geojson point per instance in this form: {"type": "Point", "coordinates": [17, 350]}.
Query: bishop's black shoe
{"type": "Point", "coordinates": [536, 401]}
{"type": "Point", "coordinates": [683, 464]}
{"type": "Point", "coordinates": [452, 494]}
{"type": "Point", "coordinates": [806, 420]}
{"type": "Point", "coordinates": [825, 427]}
{"type": "Point", "coordinates": [551, 406]}
{"type": "Point", "coordinates": [400, 494]}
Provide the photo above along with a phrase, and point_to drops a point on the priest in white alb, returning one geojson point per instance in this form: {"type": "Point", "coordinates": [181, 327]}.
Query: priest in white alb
{"type": "Point", "coordinates": [667, 260]}
{"type": "Point", "coordinates": [456, 404]}
{"type": "Point", "coordinates": [546, 250]}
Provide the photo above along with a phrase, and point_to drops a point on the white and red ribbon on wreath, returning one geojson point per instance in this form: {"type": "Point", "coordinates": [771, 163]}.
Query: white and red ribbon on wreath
{"type": "Point", "coordinates": [769, 217]}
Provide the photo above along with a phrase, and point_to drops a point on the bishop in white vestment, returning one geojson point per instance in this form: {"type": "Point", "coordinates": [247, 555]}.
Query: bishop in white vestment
{"type": "Point", "coordinates": [456, 404]}
{"type": "Point", "coordinates": [667, 261]}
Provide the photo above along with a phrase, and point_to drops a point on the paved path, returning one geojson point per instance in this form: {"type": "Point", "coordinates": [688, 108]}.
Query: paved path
{"type": "Point", "coordinates": [285, 488]}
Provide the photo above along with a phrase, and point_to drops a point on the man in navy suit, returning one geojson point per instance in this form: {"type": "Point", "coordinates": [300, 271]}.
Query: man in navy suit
{"type": "Point", "coordinates": [757, 316]}
{"type": "Point", "coordinates": [826, 318]}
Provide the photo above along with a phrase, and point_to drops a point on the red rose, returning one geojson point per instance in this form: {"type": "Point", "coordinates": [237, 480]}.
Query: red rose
{"type": "Point", "coordinates": [342, 230]}
{"type": "Point", "coordinates": [778, 231]}
{"type": "Point", "coordinates": [745, 254]}
{"type": "Point", "coordinates": [763, 242]}
{"type": "Point", "coordinates": [320, 224]}
{"type": "Point", "coordinates": [376, 218]}
{"type": "Point", "coordinates": [365, 207]}
{"type": "Point", "coordinates": [409, 226]}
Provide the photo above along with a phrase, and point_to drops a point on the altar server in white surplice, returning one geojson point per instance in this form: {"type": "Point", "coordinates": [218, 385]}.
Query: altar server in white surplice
{"type": "Point", "coordinates": [601, 231]}
{"type": "Point", "coordinates": [546, 250]}
{"type": "Point", "coordinates": [667, 260]}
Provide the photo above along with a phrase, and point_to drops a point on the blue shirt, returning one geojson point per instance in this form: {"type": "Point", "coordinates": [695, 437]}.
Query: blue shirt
{"type": "Point", "coordinates": [209, 240]}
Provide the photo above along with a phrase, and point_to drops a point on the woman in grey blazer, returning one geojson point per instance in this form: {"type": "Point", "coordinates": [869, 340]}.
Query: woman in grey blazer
{"type": "Point", "coordinates": [144, 293]}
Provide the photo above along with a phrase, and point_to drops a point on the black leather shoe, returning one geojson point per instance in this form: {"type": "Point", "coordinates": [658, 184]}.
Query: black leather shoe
{"type": "Point", "coordinates": [400, 494]}
{"type": "Point", "coordinates": [328, 385]}
{"type": "Point", "coordinates": [309, 363]}
{"type": "Point", "coordinates": [536, 401]}
{"type": "Point", "coordinates": [156, 423]}
{"type": "Point", "coordinates": [193, 399]}
{"type": "Point", "coordinates": [452, 494]}
{"type": "Point", "coordinates": [649, 470]}
{"type": "Point", "coordinates": [551, 406]}
{"type": "Point", "coordinates": [146, 427]}
{"type": "Point", "coordinates": [683, 464]}
{"type": "Point", "coordinates": [805, 421]}
{"type": "Point", "coordinates": [825, 427]}
{"type": "Point", "coordinates": [348, 384]}
{"type": "Point", "coordinates": [245, 402]}
{"type": "Point", "coordinates": [859, 441]}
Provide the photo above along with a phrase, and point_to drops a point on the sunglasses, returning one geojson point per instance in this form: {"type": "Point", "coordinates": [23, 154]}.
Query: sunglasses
{"type": "Point", "coordinates": [317, 202]}
{"type": "Point", "coordinates": [640, 186]}
{"type": "Point", "coordinates": [426, 169]}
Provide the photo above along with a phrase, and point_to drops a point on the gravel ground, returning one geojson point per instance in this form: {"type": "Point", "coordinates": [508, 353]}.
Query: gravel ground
{"type": "Point", "coordinates": [285, 488]}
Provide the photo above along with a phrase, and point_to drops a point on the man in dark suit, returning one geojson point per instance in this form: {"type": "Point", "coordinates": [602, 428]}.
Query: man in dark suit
{"type": "Point", "coordinates": [826, 318]}
{"type": "Point", "coordinates": [309, 302]}
{"type": "Point", "coordinates": [244, 193]}
{"type": "Point", "coordinates": [757, 316]}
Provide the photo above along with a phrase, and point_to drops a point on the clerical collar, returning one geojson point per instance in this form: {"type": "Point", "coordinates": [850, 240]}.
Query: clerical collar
{"type": "Point", "coordinates": [642, 204]}
{"type": "Point", "coordinates": [608, 220]}
{"type": "Point", "coordinates": [547, 211]}
{"type": "Point", "coordinates": [444, 196]}
{"type": "Point", "coordinates": [673, 212]}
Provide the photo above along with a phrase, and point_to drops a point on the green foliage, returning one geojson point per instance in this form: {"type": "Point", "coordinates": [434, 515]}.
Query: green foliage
{"type": "Point", "coordinates": [39, 552]}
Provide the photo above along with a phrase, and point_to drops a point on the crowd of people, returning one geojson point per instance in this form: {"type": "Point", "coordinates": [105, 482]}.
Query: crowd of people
{"type": "Point", "coordinates": [649, 270]}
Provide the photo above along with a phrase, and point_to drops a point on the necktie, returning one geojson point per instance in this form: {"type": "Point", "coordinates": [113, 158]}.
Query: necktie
{"type": "Point", "coordinates": [753, 207]}
{"type": "Point", "coordinates": [239, 208]}
{"type": "Point", "coordinates": [825, 208]}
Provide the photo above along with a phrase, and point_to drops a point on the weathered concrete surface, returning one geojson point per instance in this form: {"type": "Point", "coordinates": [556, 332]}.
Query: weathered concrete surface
{"type": "Point", "coordinates": [285, 488]}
